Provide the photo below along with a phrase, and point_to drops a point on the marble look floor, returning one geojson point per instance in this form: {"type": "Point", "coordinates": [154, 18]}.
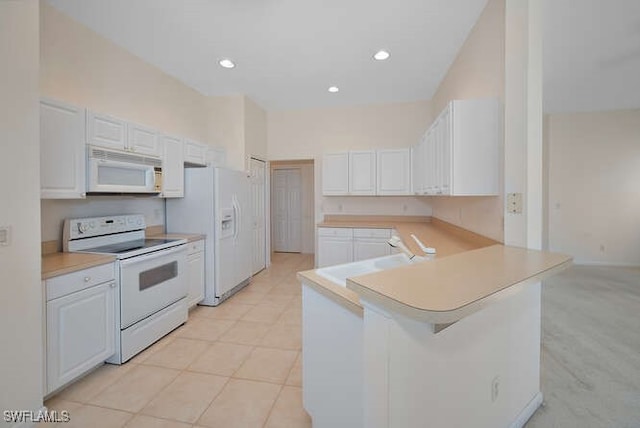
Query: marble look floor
{"type": "Point", "coordinates": [239, 364]}
{"type": "Point", "coordinates": [590, 349]}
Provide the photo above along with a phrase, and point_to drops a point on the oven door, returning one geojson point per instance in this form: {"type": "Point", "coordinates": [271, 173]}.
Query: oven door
{"type": "Point", "coordinates": [151, 282]}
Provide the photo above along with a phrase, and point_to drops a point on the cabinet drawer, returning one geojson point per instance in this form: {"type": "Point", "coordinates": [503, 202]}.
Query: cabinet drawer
{"type": "Point", "coordinates": [342, 232]}
{"type": "Point", "coordinates": [195, 247]}
{"type": "Point", "coordinates": [372, 233]}
{"type": "Point", "coordinates": [76, 281]}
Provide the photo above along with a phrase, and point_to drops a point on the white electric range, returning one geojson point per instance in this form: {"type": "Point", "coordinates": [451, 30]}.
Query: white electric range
{"type": "Point", "coordinates": [150, 273]}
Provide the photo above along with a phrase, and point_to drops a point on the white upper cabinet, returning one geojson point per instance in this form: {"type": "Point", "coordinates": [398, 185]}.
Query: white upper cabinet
{"type": "Point", "coordinates": [114, 133]}
{"type": "Point", "coordinates": [470, 133]}
{"type": "Point", "coordinates": [460, 153]}
{"type": "Point", "coordinates": [195, 153]}
{"type": "Point", "coordinates": [394, 172]}
{"type": "Point", "coordinates": [172, 167]}
{"type": "Point", "coordinates": [335, 174]}
{"type": "Point", "coordinates": [216, 156]}
{"type": "Point", "coordinates": [62, 150]}
{"type": "Point", "coordinates": [143, 140]}
{"type": "Point", "coordinates": [417, 167]}
{"type": "Point", "coordinates": [106, 131]}
{"type": "Point", "coordinates": [362, 172]}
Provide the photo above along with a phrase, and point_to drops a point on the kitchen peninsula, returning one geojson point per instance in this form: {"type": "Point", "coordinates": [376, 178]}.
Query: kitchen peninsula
{"type": "Point", "coordinates": [454, 341]}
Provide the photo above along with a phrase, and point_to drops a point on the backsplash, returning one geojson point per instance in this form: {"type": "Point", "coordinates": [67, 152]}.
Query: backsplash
{"type": "Point", "coordinates": [55, 211]}
{"type": "Point", "coordinates": [375, 205]}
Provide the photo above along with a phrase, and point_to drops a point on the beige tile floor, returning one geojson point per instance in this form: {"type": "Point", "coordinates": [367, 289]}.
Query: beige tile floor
{"type": "Point", "coordinates": [239, 364]}
{"type": "Point", "coordinates": [236, 365]}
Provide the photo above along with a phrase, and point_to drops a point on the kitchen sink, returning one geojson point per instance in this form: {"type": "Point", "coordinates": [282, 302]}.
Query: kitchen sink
{"type": "Point", "coordinates": [339, 273]}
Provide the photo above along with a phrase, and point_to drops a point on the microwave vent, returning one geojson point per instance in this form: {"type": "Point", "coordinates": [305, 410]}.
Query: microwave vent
{"type": "Point", "coordinates": [99, 153]}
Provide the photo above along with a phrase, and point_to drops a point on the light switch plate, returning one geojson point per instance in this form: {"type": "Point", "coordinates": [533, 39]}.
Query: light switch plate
{"type": "Point", "coordinates": [514, 203]}
{"type": "Point", "coordinates": [5, 236]}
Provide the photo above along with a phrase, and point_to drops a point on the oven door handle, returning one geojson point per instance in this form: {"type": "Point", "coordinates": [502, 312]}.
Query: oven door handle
{"type": "Point", "coordinates": [154, 255]}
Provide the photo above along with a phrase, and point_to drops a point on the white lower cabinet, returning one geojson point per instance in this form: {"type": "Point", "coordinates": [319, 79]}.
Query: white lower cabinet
{"type": "Point", "coordinates": [337, 245]}
{"type": "Point", "coordinates": [80, 326]}
{"type": "Point", "coordinates": [195, 269]}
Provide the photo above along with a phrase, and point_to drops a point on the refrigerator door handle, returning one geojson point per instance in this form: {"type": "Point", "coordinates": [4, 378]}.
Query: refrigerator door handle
{"type": "Point", "coordinates": [236, 218]}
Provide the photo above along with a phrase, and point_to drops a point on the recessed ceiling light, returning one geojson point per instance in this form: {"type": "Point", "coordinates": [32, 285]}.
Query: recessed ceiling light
{"type": "Point", "coordinates": [381, 55]}
{"type": "Point", "coordinates": [333, 89]}
{"type": "Point", "coordinates": [226, 63]}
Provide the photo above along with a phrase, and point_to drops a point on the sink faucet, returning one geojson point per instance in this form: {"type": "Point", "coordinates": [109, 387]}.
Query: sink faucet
{"type": "Point", "coordinates": [396, 242]}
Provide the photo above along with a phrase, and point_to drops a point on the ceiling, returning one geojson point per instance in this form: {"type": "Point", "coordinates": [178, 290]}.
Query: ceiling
{"type": "Point", "coordinates": [591, 55]}
{"type": "Point", "coordinates": [288, 52]}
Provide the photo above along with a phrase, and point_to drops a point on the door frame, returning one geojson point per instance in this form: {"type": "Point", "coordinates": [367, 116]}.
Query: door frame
{"type": "Point", "coordinates": [267, 205]}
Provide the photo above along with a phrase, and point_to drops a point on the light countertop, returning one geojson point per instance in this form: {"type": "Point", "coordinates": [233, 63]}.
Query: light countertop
{"type": "Point", "coordinates": [447, 289]}
{"type": "Point", "coordinates": [190, 237]}
{"type": "Point", "coordinates": [468, 272]}
{"type": "Point", "coordinates": [57, 264]}
{"type": "Point", "coordinates": [446, 238]}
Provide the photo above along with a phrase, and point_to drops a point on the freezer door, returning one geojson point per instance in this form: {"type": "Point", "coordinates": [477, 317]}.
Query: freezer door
{"type": "Point", "coordinates": [243, 246]}
{"type": "Point", "coordinates": [226, 263]}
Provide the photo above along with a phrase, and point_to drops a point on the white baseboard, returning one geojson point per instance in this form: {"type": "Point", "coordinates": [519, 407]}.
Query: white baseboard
{"type": "Point", "coordinates": [527, 412]}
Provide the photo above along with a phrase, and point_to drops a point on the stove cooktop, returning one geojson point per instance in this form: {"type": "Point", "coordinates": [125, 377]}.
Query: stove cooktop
{"type": "Point", "coordinates": [128, 246]}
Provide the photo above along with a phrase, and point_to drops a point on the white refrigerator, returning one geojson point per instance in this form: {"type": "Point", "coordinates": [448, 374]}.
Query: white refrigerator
{"type": "Point", "coordinates": [216, 203]}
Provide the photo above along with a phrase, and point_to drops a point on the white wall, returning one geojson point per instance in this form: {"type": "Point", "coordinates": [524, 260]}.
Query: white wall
{"type": "Point", "coordinates": [225, 127]}
{"type": "Point", "coordinates": [594, 186]}
{"type": "Point", "coordinates": [255, 130]}
{"type": "Point", "coordinates": [54, 211]}
{"type": "Point", "coordinates": [20, 289]}
{"type": "Point", "coordinates": [477, 72]}
{"type": "Point", "coordinates": [307, 134]}
{"type": "Point", "coordinates": [84, 68]}
{"type": "Point", "coordinates": [81, 67]}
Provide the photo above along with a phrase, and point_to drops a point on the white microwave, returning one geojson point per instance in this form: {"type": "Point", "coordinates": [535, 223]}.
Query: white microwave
{"type": "Point", "coordinates": [112, 171]}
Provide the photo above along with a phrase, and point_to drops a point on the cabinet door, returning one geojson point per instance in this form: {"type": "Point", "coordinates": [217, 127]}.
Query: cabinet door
{"type": "Point", "coordinates": [394, 172]}
{"type": "Point", "coordinates": [335, 174]}
{"type": "Point", "coordinates": [195, 153]}
{"type": "Point", "coordinates": [143, 140]}
{"type": "Point", "coordinates": [362, 173]}
{"type": "Point", "coordinates": [195, 269]}
{"type": "Point", "coordinates": [417, 168]}
{"type": "Point", "coordinates": [370, 248]}
{"type": "Point", "coordinates": [172, 168]}
{"type": "Point", "coordinates": [430, 162]}
{"type": "Point", "coordinates": [62, 150]}
{"type": "Point", "coordinates": [80, 333]}
{"type": "Point", "coordinates": [445, 144]}
{"type": "Point", "coordinates": [216, 156]}
{"type": "Point", "coordinates": [106, 131]}
{"type": "Point", "coordinates": [332, 251]}
{"type": "Point", "coordinates": [476, 135]}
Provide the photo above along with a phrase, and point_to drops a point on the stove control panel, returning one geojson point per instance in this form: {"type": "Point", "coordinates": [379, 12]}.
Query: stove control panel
{"type": "Point", "coordinates": [76, 228]}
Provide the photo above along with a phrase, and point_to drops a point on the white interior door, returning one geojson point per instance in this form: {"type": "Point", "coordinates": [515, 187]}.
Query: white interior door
{"type": "Point", "coordinates": [258, 169]}
{"type": "Point", "coordinates": [287, 210]}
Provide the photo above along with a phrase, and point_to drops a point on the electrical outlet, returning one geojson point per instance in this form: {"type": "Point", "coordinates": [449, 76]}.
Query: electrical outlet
{"type": "Point", "coordinates": [514, 203]}
{"type": "Point", "coordinates": [5, 236]}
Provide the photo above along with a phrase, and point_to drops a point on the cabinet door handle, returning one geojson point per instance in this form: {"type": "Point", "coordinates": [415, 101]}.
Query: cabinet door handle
{"type": "Point", "coordinates": [87, 278]}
